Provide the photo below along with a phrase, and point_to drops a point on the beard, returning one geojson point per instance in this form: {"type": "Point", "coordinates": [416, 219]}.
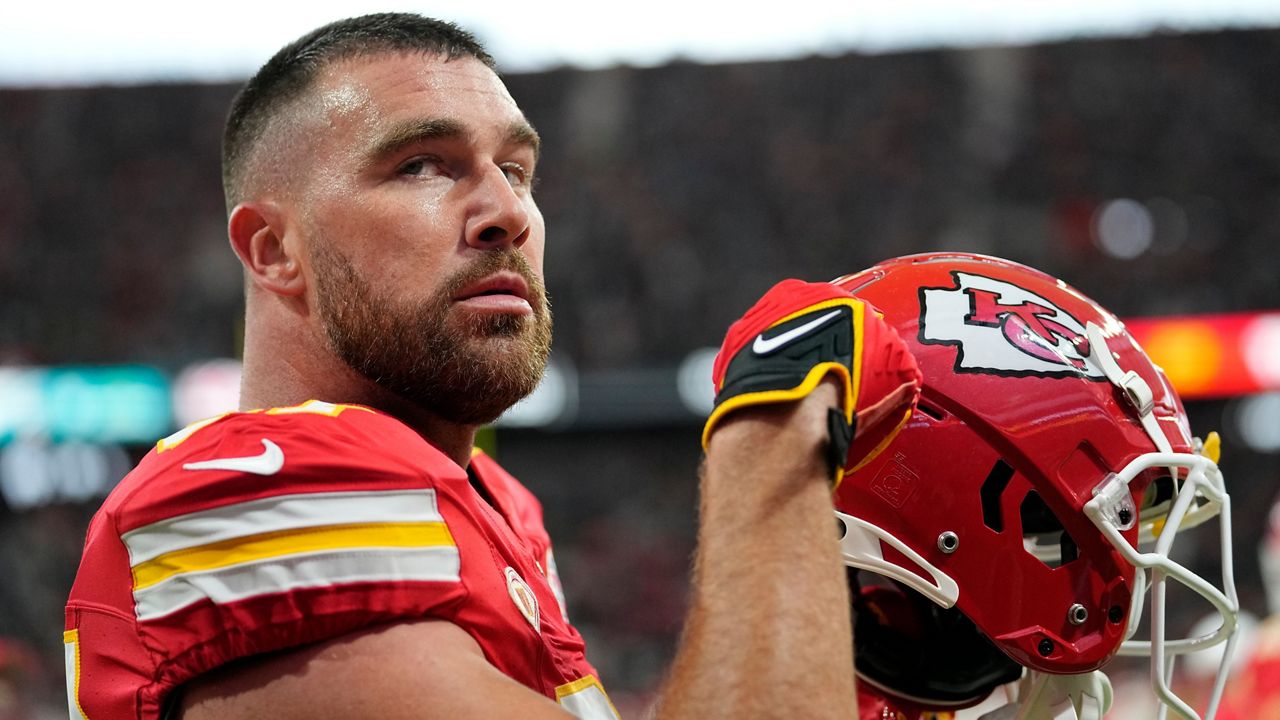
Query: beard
{"type": "Point", "coordinates": [466, 368]}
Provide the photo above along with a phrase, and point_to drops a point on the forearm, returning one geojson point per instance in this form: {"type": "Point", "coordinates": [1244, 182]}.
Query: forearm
{"type": "Point", "coordinates": [768, 632]}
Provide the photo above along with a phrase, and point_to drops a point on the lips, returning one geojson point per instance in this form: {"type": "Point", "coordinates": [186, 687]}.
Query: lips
{"type": "Point", "coordinates": [501, 292]}
{"type": "Point", "coordinates": [497, 284]}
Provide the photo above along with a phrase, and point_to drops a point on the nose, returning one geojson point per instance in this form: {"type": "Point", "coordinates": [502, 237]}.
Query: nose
{"type": "Point", "coordinates": [499, 216]}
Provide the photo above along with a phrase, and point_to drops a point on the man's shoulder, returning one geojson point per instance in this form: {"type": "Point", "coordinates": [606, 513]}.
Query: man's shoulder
{"type": "Point", "coordinates": [256, 532]}
{"type": "Point", "coordinates": [312, 448]}
{"type": "Point", "coordinates": [329, 428]}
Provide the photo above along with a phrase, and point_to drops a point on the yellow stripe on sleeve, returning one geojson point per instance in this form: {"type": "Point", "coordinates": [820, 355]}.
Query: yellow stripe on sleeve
{"type": "Point", "coordinates": [586, 699]}
{"type": "Point", "coordinates": [250, 548]}
{"type": "Point", "coordinates": [71, 652]}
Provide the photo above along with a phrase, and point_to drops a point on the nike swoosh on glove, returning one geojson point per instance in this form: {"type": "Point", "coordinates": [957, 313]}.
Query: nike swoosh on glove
{"type": "Point", "coordinates": [797, 335]}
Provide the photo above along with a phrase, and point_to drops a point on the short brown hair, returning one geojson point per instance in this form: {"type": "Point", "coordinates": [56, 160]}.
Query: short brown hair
{"type": "Point", "coordinates": [291, 71]}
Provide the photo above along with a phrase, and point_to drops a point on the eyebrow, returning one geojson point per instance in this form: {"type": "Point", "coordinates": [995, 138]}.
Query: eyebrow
{"type": "Point", "coordinates": [522, 133]}
{"type": "Point", "coordinates": [416, 131]}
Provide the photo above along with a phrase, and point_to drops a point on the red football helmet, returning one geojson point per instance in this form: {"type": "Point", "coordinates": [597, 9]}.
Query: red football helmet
{"type": "Point", "coordinates": [1046, 450]}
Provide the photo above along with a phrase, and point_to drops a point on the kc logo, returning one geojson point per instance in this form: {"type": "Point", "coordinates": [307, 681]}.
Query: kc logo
{"type": "Point", "coordinates": [1004, 329]}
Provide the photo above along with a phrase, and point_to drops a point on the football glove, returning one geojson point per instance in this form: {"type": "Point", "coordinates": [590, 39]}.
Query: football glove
{"type": "Point", "coordinates": [797, 335]}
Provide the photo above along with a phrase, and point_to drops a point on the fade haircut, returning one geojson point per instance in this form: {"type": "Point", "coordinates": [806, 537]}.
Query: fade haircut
{"type": "Point", "coordinates": [290, 72]}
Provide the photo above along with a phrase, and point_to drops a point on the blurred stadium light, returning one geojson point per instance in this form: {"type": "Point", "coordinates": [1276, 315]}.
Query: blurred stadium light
{"type": "Point", "coordinates": [1124, 228]}
{"type": "Point", "coordinates": [34, 472]}
{"type": "Point", "coordinates": [204, 390]}
{"type": "Point", "coordinates": [553, 403]}
{"type": "Point", "coordinates": [1256, 420]}
{"type": "Point", "coordinates": [694, 381]}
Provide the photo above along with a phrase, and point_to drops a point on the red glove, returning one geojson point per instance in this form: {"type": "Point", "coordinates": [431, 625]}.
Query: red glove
{"type": "Point", "coordinates": [795, 336]}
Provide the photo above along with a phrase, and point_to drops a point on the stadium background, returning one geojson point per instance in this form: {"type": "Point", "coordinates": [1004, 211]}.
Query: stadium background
{"type": "Point", "coordinates": [1145, 171]}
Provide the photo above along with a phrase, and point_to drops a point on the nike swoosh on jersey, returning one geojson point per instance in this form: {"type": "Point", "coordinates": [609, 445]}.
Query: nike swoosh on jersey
{"type": "Point", "coordinates": [268, 463]}
{"type": "Point", "coordinates": [764, 346]}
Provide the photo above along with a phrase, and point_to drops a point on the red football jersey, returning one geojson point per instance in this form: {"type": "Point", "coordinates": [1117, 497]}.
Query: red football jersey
{"type": "Point", "coordinates": [1254, 692]}
{"type": "Point", "coordinates": [259, 531]}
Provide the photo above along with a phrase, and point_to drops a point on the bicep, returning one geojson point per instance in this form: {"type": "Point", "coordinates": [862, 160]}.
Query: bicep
{"type": "Point", "coordinates": [421, 670]}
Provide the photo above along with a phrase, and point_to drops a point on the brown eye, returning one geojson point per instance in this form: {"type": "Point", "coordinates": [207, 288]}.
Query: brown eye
{"type": "Point", "coordinates": [515, 174]}
{"type": "Point", "coordinates": [413, 167]}
{"type": "Point", "coordinates": [421, 165]}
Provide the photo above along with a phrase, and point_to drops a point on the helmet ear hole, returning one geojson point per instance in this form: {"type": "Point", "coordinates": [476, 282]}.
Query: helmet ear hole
{"type": "Point", "coordinates": [1043, 535]}
{"type": "Point", "coordinates": [911, 648]}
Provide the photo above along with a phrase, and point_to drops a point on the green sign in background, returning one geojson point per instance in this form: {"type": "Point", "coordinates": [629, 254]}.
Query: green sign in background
{"type": "Point", "coordinates": [107, 404]}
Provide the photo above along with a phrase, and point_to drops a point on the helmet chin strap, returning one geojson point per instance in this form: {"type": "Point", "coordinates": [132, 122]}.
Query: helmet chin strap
{"type": "Point", "coordinates": [1135, 389]}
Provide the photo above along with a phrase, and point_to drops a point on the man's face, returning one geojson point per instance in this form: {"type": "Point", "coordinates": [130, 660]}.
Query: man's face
{"type": "Point", "coordinates": [424, 242]}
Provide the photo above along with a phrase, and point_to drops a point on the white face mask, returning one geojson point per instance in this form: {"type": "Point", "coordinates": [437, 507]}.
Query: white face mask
{"type": "Point", "coordinates": [1200, 495]}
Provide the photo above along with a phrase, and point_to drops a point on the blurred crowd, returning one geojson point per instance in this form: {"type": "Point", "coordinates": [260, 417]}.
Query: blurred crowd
{"type": "Point", "coordinates": [674, 196]}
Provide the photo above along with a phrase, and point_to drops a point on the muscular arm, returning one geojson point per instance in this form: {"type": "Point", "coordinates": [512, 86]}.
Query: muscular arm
{"type": "Point", "coordinates": [404, 671]}
{"type": "Point", "coordinates": [767, 634]}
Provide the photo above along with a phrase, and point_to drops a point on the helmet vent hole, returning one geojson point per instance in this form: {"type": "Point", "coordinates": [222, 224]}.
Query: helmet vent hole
{"type": "Point", "coordinates": [929, 410]}
{"type": "Point", "coordinates": [992, 489]}
{"type": "Point", "coordinates": [1043, 535]}
{"type": "Point", "coordinates": [1157, 499]}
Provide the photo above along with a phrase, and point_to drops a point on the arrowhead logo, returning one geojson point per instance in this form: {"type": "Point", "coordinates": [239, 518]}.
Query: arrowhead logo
{"type": "Point", "coordinates": [1004, 329]}
{"type": "Point", "coordinates": [268, 463]}
{"type": "Point", "coordinates": [522, 595]}
{"type": "Point", "coordinates": [764, 346]}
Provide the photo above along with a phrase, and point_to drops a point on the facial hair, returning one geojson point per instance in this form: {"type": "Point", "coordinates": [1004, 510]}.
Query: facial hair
{"type": "Point", "coordinates": [467, 368]}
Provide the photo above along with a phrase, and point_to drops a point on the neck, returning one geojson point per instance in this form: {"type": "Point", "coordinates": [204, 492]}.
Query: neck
{"type": "Point", "coordinates": [288, 367]}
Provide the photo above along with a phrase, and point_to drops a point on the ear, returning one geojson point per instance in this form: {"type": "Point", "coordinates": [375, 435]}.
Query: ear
{"type": "Point", "coordinates": [256, 231]}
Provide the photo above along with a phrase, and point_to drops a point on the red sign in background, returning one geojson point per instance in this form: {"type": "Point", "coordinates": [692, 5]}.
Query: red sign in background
{"type": "Point", "coordinates": [1208, 356]}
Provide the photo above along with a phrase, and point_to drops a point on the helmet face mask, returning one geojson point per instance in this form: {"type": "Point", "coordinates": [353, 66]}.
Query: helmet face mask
{"type": "Point", "coordinates": [1046, 447]}
{"type": "Point", "coordinates": [1200, 491]}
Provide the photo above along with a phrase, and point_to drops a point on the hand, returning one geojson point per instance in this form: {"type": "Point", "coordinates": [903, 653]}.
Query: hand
{"type": "Point", "coordinates": [800, 333]}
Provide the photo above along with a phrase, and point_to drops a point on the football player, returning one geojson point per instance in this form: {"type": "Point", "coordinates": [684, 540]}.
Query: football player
{"type": "Point", "coordinates": [1255, 691]}
{"type": "Point", "coordinates": [337, 549]}
{"type": "Point", "coordinates": [1003, 545]}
